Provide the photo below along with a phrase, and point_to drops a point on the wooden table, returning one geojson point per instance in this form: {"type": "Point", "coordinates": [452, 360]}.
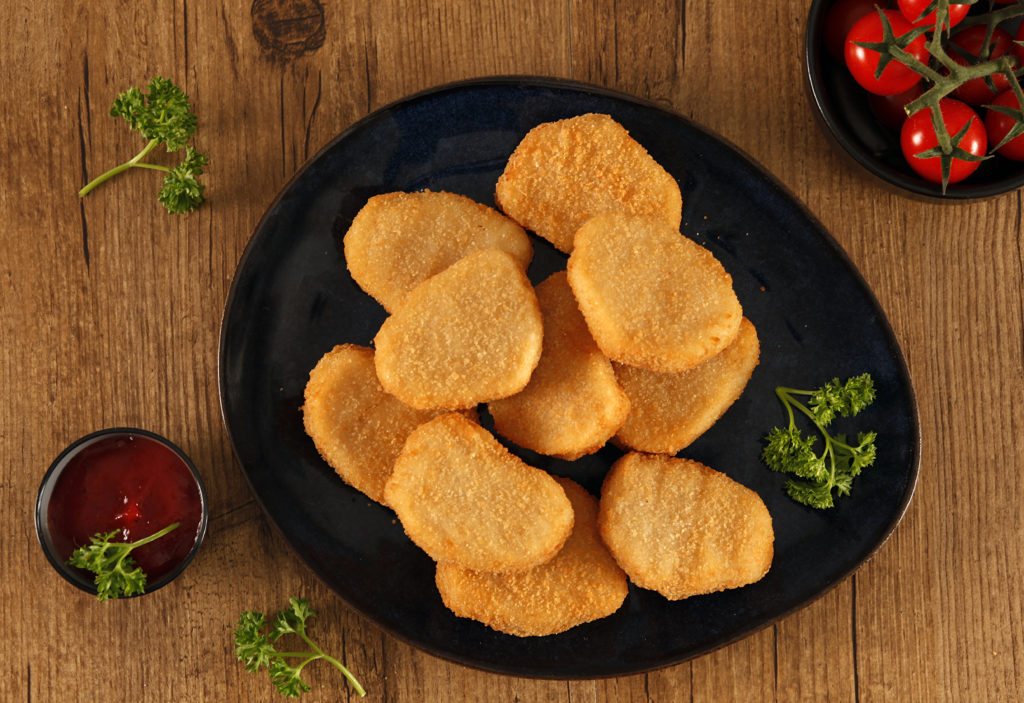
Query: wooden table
{"type": "Point", "coordinates": [110, 314]}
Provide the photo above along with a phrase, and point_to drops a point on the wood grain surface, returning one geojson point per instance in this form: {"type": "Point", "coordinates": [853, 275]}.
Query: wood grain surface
{"type": "Point", "coordinates": [111, 308]}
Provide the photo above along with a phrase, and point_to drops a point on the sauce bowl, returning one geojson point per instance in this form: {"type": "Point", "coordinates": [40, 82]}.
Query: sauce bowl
{"type": "Point", "coordinates": [123, 480]}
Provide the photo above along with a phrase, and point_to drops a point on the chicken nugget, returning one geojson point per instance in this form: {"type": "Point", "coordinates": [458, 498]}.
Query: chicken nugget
{"type": "Point", "coordinates": [670, 410]}
{"type": "Point", "coordinates": [572, 404]}
{"type": "Point", "coordinates": [356, 427]}
{"type": "Point", "coordinates": [468, 335]}
{"type": "Point", "coordinates": [399, 239]}
{"type": "Point", "coordinates": [463, 498]}
{"type": "Point", "coordinates": [682, 529]}
{"type": "Point", "coordinates": [579, 584]}
{"type": "Point", "coordinates": [563, 173]}
{"type": "Point", "coordinates": [651, 297]}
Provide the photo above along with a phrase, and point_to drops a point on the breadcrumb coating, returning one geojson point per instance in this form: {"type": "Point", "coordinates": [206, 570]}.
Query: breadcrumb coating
{"type": "Point", "coordinates": [397, 240]}
{"type": "Point", "coordinates": [651, 297]}
{"type": "Point", "coordinates": [563, 173]}
{"type": "Point", "coordinates": [468, 335]}
{"type": "Point", "coordinates": [668, 411]}
{"type": "Point", "coordinates": [356, 427]}
{"type": "Point", "coordinates": [682, 529]}
{"type": "Point", "coordinates": [580, 584]}
{"type": "Point", "coordinates": [463, 498]}
{"type": "Point", "coordinates": [572, 404]}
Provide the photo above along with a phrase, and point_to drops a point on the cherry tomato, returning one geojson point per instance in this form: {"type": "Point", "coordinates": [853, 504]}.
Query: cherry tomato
{"type": "Point", "coordinates": [913, 9]}
{"type": "Point", "coordinates": [972, 41]}
{"type": "Point", "coordinates": [918, 135]}
{"type": "Point", "coordinates": [841, 17]}
{"type": "Point", "coordinates": [997, 124]}
{"type": "Point", "coordinates": [889, 109]}
{"type": "Point", "coordinates": [862, 62]}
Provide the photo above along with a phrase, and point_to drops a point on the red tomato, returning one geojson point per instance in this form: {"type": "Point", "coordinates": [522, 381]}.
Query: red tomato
{"type": "Point", "coordinates": [841, 17]}
{"type": "Point", "coordinates": [997, 124]}
{"type": "Point", "coordinates": [862, 62]}
{"type": "Point", "coordinates": [972, 40]}
{"type": "Point", "coordinates": [913, 9]}
{"type": "Point", "coordinates": [889, 109]}
{"type": "Point", "coordinates": [918, 135]}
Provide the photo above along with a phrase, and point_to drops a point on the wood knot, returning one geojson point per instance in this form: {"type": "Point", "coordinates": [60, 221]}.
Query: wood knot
{"type": "Point", "coordinates": [288, 28]}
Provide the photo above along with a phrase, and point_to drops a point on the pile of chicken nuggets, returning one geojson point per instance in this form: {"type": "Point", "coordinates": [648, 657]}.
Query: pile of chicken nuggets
{"type": "Point", "coordinates": [640, 342]}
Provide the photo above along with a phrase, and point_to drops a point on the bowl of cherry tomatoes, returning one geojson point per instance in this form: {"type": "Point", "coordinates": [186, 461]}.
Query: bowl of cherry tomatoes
{"type": "Point", "coordinates": [963, 141]}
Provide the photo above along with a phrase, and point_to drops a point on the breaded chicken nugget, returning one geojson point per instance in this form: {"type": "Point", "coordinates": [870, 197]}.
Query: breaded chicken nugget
{"type": "Point", "coordinates": [357, 427]}
{"type": "Point", "coordinates": [677, 527]}
{"type": "Point", "coordinates": [468, 335]}
{"type": "Point", "coordinates": [572, 404]}
{"type": "Point", "coordinates": [651, 297]}
{"type": "Point", "coordinates": [463, 498]}
{"type": "Point", "coordinates": [670, 410]}
{"type": "Point", "coordinates": [563, 173]}
{"type": "Point", "coordinates": [580, 584]}
{"type": "Point", "coordinates": [398, 240]}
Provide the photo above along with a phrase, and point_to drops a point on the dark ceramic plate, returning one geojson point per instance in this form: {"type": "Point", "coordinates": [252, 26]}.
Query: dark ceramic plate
{"type": "Point", "coordinates": [292, 300]}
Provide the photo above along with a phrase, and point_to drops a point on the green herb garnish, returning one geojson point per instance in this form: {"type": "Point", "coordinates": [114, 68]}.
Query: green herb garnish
{"type": "Point", "coordinates": [117, 574]}
{"type": "Point", "coordinates": [163, 116]}
{"type": "Point", "coordinates": [788, 451]}
{"type": "Point", "coordinates": [256, 649]}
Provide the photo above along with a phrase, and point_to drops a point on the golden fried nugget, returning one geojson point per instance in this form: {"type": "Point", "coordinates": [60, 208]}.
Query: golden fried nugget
{"type": "Point", "coordinates": [572, 404]}
{"type": "Point", "coordinates": [399, 239]}
{"type": "Point", "coordinates": [670, 410]}
{"type": "Point", "coordinates": [677, 527]}
{"type": "Point", "coordinates": [579, 584]}
{"type": "Point", "coordinates": [468, 335]}
{"type": "Point", "coordinates": [563, 173]}
{"type": "Point", "coordinates": [651, 297]}
{"type": "Point", "coordinates": [357, 427]}
{"type": "Point", "coordinates": [463, 498]}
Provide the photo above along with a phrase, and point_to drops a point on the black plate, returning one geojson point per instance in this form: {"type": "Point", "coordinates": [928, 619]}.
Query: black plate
{"type": "Point", "coordinates": [292, 300]}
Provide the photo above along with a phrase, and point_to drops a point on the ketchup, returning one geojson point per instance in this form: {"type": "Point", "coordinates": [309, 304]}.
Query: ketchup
{"type": "Point", "coordinates": [133, 485]}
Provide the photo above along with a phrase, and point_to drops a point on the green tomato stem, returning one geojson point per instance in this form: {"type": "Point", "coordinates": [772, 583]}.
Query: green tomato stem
{"type": "Point", "coordinates": [994, 17]}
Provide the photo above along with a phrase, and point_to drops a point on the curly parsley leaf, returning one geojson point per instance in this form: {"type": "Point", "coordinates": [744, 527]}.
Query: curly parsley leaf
{"type": "Point", "coordinates": [116, 573]}
{"type": "Point", "coordinates": [163, 115]}
{"type": "Point", "coordinates": [182, 191]}
{"type": "Point", "coordinates": [255, 648]}
{"type": "Point", "coordinates": [820, 478]}
{"type": "Point", "coordinates": [843, 399]}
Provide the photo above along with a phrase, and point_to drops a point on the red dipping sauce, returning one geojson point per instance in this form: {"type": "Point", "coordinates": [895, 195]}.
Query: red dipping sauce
{"type": "Point", "coordinates": [132, 484]}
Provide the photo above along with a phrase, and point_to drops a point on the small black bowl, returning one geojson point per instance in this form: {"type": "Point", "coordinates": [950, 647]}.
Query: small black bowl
{"type": "Point", "coordinates": [78, 577]}
{"type": "Point", "coordinates": [846, 117]}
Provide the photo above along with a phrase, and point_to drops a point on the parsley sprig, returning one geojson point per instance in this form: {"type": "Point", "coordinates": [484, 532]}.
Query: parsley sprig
{"type": "Point", "coordinates": [117, 574]}
{"type": "Point", "coordinates": [818, 475]}
{"type": "Point", "coordinates": [256, 649]}
{"type": "Point", "coordinates": [162, 116]}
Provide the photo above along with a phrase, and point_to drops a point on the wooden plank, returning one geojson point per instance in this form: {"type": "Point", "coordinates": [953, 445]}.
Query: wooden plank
{"type": "Point", "coordinates": [110, 314]}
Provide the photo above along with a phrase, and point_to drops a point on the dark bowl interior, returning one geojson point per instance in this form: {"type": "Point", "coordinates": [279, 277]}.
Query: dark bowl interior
{"type": "Point", "coordinates": [843, 109]}
{"type": "Point", "coordinates": [79, 577]}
